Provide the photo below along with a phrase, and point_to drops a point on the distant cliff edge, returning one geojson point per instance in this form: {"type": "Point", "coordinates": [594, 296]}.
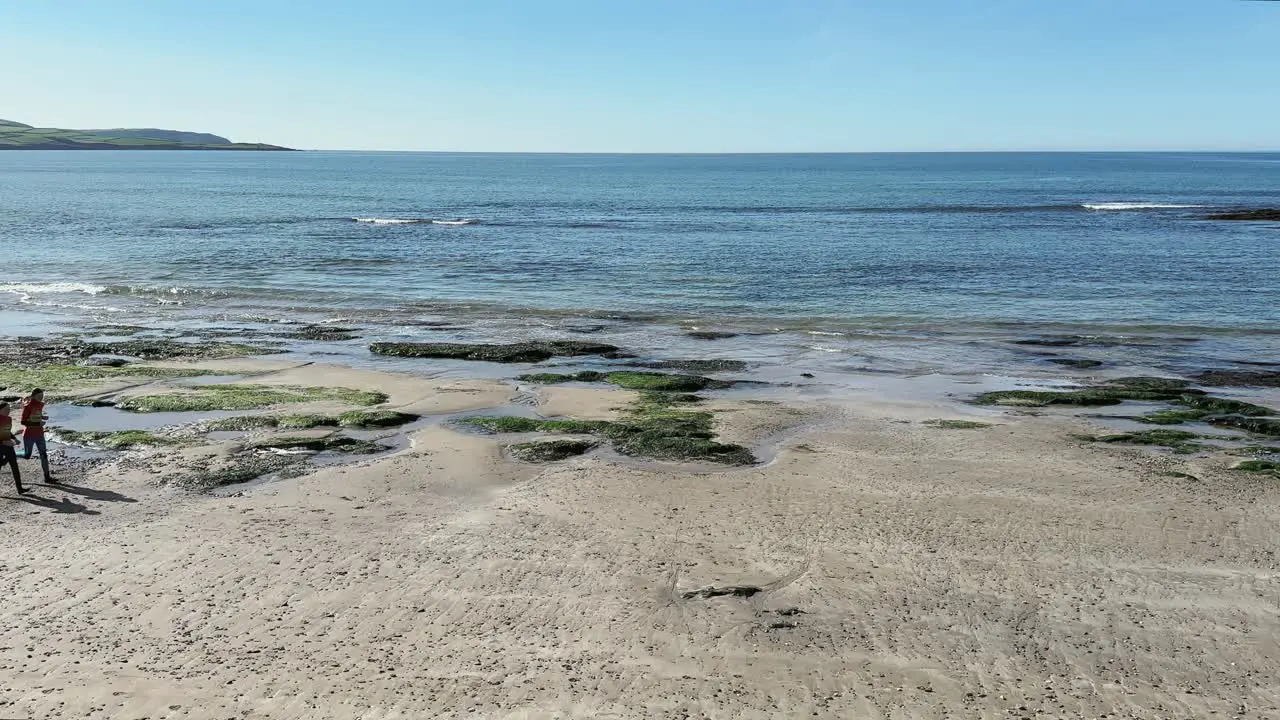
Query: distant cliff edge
{"type": "Point", "coordinates": [20, 136]}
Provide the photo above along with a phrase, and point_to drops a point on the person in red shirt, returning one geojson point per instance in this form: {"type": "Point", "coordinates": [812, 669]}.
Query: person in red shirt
{"type": "Point", "coordinates": [33, 418]}
{"type": "Point", "coordinates": [8, 456]}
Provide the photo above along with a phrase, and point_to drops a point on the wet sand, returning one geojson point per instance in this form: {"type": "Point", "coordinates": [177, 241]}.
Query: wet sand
{"type": "Point", "coordinates": [876, 567]}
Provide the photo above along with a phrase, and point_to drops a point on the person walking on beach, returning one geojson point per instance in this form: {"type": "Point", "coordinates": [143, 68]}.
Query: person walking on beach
{"type": "Point", "coordinates": [8, 446]}
{"type": "Point", "coordinates": [33, 418]}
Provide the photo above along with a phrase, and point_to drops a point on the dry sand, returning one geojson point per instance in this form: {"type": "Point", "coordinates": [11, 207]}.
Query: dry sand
{"type": "Point", "coordinates": [876, 568]}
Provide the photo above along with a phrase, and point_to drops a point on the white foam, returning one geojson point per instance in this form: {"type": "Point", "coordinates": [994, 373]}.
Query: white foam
{"type": "Point", "coordinates": [390, 221]}
{"type": "Point", "coordinates": [413, 221]}
{"type": "Point", "coordinates": [43, 288]}
{"type": "Point", "coordinates": [1137, 206]}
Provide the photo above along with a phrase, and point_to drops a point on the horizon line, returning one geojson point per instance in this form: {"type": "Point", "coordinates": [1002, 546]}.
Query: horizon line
{"type": "Point", "coordinates": [1264, 151]}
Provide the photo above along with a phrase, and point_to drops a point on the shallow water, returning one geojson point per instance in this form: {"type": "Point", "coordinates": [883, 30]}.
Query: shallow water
{"type": "Point", "coordinates": [847, 263]}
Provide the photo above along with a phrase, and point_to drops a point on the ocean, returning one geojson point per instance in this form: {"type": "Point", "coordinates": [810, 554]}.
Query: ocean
{"type": "Point", "coordinates": [895, 263]}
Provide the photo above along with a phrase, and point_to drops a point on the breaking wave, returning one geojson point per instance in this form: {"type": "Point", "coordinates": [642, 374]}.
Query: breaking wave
{"type": "Point", "coordinates": [61, 288]}
{"type": "Point", "coordinates": [1138, 206]}
{"type": "Point", "coordinates": [414, 221]}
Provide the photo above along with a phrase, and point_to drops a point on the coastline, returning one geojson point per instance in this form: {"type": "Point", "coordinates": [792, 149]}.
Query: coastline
{"type": "Point", "coordinates": [871, 564]}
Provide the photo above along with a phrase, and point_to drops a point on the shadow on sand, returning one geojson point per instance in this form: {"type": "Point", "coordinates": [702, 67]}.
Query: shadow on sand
{"type": "Point", "coordinates": [65, 506]}
{"type": "Point", "coordinates": [92, 494]}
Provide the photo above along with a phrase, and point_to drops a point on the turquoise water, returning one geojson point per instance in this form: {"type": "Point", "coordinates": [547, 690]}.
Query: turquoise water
{"type": "Point", "coordinates": [966, 248]}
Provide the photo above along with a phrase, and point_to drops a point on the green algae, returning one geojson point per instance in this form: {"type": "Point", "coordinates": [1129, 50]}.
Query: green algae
{"type": "Point", "coordinates": [61, 378]}
{"type": "Point", "coordinates": [558, 378]}
{"type": "Point", "coordinates": [305, 422]}
{"type": "Point", "coordinates": [242, 469]}
{"type": "Point", "coordinates": [323, 333]}
{"type": "Point", "coordinates": [503, 424]}
{"type": "Point", "coordinates": [1224, 406]}
{"type": "Point", "coordinates": [957, 424]}
{"type": "Point", "coordinates": [1269, 467]}
{"type": "Point", "coordinates": [244, 397]}
{"type": "Point", "coordinates": [697, 366]}
{"type": "Point", "coordinates": [373, 419]}
{"type": "Point", "coordinates": [1269, 427]}
{"type": "Point", "coordinates": [111, 440]}
{"type": "Point", "coordinates": [241, 423]}
{"type": "Point", "coordinates": [646, 431]}
{"type": "Point", "coordinates": [540, 451]}
{"type": "Point", "coordinates": [654, 399]}
{"type": "Point", "coordinates": [573, 427]}
{"type": "Point", "coordinates": [525, 352]}
{"type": "Point", "coordinates": [1178, 441]}
{"type": "Point", "coordinates": [662, 382]}
{"type": "Point", "coordinates": [1113, 392]}
{"type": "Point", "coordinates": [1171, 417]}
{"type": "Point", "coordinates": [711, 334]}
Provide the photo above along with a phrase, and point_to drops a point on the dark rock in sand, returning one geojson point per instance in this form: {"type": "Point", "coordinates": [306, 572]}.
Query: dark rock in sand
{"type": "Point", "coordinates": [104, 362]}
{"type": "Point", "coordinates": [1239, 378]}
{"type": "Point", "coordinates": [332, 443]}
{"type": "Point", "coordinates": [1080, 363]}
{"type": "Point", "coordinates": [526, 352]}
{"type": "Point", "coordinates": [710, 335]}
{"type": "Point", "coordinates": [1271, 214]}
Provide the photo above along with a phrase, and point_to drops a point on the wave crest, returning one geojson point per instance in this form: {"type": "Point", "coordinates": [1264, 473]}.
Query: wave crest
{"type": "Point", "coordinates": [414, 221]}
{"type": "Point", "coordinates": [1138, 206]}
{"type": "Point", "coordinates": [62, 288]}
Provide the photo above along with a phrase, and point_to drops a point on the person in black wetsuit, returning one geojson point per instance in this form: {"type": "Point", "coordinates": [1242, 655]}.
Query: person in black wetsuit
{"type": "Point", "coordinates": [9, 446]}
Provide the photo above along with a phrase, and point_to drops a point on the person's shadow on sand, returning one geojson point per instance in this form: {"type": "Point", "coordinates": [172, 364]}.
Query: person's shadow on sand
{"type": "Point", "coordinates": [65, 506]}
{"type": "Point", "coordinates": [92, 494]}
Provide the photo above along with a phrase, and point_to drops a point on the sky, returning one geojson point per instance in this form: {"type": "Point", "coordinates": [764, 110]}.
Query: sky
{"type": "Point", "coordinates": [656, 75]}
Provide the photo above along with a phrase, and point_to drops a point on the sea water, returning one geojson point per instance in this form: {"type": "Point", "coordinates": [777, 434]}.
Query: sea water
{"type": "Point", "coordinates": [874, 262]}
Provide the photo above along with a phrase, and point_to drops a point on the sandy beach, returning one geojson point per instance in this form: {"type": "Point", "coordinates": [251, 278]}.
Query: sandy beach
{"type": "Point", "coordinates": [874, 566]}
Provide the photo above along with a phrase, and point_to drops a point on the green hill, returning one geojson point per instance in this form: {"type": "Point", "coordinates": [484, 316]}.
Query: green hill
{"type": "Point", "coordinates": [20, 136]}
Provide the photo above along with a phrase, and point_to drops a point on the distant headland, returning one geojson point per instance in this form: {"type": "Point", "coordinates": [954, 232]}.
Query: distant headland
{"type": "Point", "coordinates": [20, 136]}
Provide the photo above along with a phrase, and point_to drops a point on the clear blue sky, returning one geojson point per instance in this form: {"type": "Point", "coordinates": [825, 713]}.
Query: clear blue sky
{"type": "Point", "coordinates": [656, 75]}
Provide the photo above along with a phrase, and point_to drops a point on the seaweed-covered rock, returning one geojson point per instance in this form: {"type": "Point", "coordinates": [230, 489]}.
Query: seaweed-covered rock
{"type": "Point", "coordinates": [525, 352]}
{"type": "Point", "coordinates": [324, 333]}
{"type": "Point", "coordinates": [243, 423]}
{"type": "Point", "coordinates": [504, 424]}
{"type": "Point", "coordinates": [711, 335]}
{"type": "Point", "coordinates": [330, 443]}
{"type": "Point", "coordinates": [549, 450]}
{"type": "Point", "coordinates": [557, 378]}
{"type": "Point", "coordinates": [1239, 378]}
{"type": "Point", "coordinates": [99, 361]}
{"type": "Point", "coordinates": [240, 469]}
{"type": "Point", "coordinates": [371, 419]}
{"type": "Point", "coordinates": [1111, 393]}
{"type": "Point", "coordinates": [243, 397]}
{"type": "Point", "coordinates": [1271, 214]}
{"type": "Point", "coordinates": [957, 424]}
{"type": "Point", "coordinates": [697, 366]}
{"type": "Point", "coordinates": [647, 431]}
{"type": "Point", "coordinates": [664, 382]}
{"type": "Point", "coordinates": [1269, 467]}
{"type": "Point", "coordinates": [1224, 406]}
{"type": "Point", "coordinates": [1176, 440]}
{"type": "Point", "coordinates": [1269, 427]}
{"type": "Point", "coordinates": [110, 440]}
